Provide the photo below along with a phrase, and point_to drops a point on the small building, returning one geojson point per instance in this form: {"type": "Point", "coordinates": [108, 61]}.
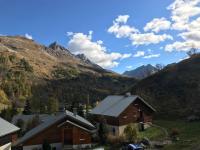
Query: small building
{"type": "Point", "coordinates": [62, 131]}
{"type": "Point", "coordinates": [8, 134]}
{"type": "Point", "coordinates": [117, 111]}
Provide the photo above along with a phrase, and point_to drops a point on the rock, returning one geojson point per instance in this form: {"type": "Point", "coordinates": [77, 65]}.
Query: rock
{"type": "Point", "coordinates": [193, 118]}
{"type": "Point", "coordinates": [146, 141]}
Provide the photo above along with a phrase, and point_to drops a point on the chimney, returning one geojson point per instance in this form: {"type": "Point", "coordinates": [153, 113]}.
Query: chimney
{"type": "Point", "coordinates": [75, 111]}
{"type": "Point", "coordinates": [127, 94]}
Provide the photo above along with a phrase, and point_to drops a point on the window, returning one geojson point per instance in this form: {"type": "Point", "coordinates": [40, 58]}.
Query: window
{"type": "Point", "coordinates": [124, 117]}
{"type": "Point", "coordinates": [113, 131]}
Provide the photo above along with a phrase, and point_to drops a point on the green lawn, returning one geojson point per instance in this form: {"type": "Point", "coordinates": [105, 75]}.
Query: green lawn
{"type": "Point", "coordinates": [152, 133]}
{"type": "Point", "coordinates": [189, 134]}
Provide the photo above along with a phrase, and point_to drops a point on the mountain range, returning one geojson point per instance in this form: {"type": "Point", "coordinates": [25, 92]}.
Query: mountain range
{"type": "Point", "coordinates": [41, 73]}
{"type": "Point", "coordinates": [142, 71]}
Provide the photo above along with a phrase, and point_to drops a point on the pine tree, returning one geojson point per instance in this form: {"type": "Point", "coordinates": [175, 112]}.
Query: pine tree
{"type": "Point", "coordinates": [27, 108]}
{"type": "Point", "coordinates": [53, 105]}
{"type": "Point", "coordinates": [80, 111]}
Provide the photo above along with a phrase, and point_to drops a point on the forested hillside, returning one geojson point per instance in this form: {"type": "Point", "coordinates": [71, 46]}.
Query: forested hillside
{"type": "Point", "coordinates": [175, 90]}
{"type": "Point", "coordinates": [51, 75]}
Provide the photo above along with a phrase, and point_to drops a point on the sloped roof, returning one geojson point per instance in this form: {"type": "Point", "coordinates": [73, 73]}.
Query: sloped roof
{"type": "Point", "coordinates": [27, 118]}
{"type": "Point", "coordinates": [7, 128]}
{"type": "Point", "coordinates": [52, 120]}
{"type": "Point", "coordinates": [114, 105]}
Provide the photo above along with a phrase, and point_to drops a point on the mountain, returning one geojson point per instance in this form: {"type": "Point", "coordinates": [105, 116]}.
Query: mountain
{"type": "Point", "coordinates": [83, 58]}
{"type": "Point", "coordinates": [141, 72]}
{"type": "Point", "coordinates": [175, 90]}
{"type": "Point", "coordinates": [39, 73]}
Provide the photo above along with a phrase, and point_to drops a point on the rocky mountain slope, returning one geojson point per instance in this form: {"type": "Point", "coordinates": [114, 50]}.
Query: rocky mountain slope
{"type": "Point", "coordinates": [141, 72]}
{"type": "Point", "coordinates": [33, 71]}
{"type": "Point", "coordinates": [175, 90]}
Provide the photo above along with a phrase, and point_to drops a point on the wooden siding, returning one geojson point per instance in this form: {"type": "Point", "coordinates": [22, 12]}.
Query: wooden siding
{"type": "Point", "coordinates": [67, 134]}
{"type": "Point", "coordinates": [81, 136]}
{"type": "Point", "coordinates": [8, 138]}
{"type": "Point", "coordinates": [129, 115]}
{"type": "Point", "coordinates": [52, 135]}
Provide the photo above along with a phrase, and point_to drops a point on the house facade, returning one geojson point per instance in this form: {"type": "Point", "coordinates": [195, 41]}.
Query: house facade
{"type": "Point", "coordinates": [64, 130]}
{"type": "Point", "coordinates": [118, 111]}
{"type": "Point", "coordinates": [8, 134]}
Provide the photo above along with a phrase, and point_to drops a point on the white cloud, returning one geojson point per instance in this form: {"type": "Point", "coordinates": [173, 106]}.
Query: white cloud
{"type": "Point", "coordinates": [122, 18]}
{"type": "Point", "coordinates": [151, 56]}
{"type": "Point", "coordinates": [182, 11]}
{"type": "Point", "coordinates": [119, 27]}
{"type": "Point", "coordinates": [157, 24]}
{"type": "Point", "coordinates": [184, 17]}
{"type": "Point", "coordinates": [80, 43]}
{"type": "Point", "coordinates": [148, 38]}
{"type": "Point", "coordinates": [69, 33]}
{"type": "Point", "coordinates": [126, 56]}
{"type": "Point", "coordinates": [129, 67]}
{"type": "Point", "coordinates": [28, 36]}
{"type": "Point", "coordinates": [182, 46]}
{"type": "Point", "coordinates": [139, 54]}
{"type": "Point", "coordinates": [191, 35]}
{"type": "Point", "coordinates": [121, 30]}
{"type": "Point", "coordinates": [194, 25]}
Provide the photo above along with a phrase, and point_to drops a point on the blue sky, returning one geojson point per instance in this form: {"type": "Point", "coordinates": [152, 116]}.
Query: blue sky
{"type": "Point", "coordinates": [83, 27]}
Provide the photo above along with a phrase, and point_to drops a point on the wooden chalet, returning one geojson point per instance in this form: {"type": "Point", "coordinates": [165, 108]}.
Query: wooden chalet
{"type": "Point", "coordinates": [8, 134]}
{"type": "Point", "coordinates": [67, 130]}
{"type": "Point", "coordinates": [118, 111]}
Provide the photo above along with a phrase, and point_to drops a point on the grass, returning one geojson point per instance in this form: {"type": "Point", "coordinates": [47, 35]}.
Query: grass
{"type": "Point", "coordinates": [189, 134]}
{"type": "Point", "coordinates": [152, 133]}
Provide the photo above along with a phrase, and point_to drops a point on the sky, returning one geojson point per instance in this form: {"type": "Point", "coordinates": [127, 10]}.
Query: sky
{"type": "Point", "coordinates": [117, 34]}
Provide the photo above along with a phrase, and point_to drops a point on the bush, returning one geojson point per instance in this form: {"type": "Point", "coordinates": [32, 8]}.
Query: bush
{"type": "Point", "coordinates": [46, 145]}
{"type": "Point", "coordinates": [102, 132]}
{"type": "Point", "coordinates": [115, 139]}
{"type": "Point", "coordinates": [174, 133]}
{"type": "Point", "coordinates": [131, 133]}
{"type": "Point", "coordinates": [3, 97]}
{"type": "Point", "coordinates": [24, 64]}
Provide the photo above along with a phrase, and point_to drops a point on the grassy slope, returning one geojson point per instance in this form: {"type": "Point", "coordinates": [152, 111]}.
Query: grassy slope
{"type": "Point", "coordinates": [189, 134]}
{"type": "Point", "coordinates": [67, 79]}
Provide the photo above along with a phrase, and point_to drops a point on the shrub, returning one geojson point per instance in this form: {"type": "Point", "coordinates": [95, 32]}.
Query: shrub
{"type": "Point", "coordinates": [131, 133]}
{"type": "Point", "coordinates": [46, 145]}
{"type": "Point", "coordinates": [174, 133]}
{"type": "Point", "coordinates": [24, 64]}
{"type": "Point", "coordinates": [102, 132]}
{"type": "Point", "coordinates": [115, 139]}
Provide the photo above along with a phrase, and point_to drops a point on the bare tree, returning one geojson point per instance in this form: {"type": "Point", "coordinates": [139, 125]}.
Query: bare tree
{"type": "Point", "coordinates": [192, 52]}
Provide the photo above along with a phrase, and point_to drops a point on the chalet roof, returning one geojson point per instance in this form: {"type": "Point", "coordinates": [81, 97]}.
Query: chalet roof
{"type": "Point", "coordinates": [114, 105]}
{"type": "Point", "coordinates": [7, 128]}
{"type": "Point", "coordinates": [27, 118]}
{"type": "Point", "coordinates": [52, 120]}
